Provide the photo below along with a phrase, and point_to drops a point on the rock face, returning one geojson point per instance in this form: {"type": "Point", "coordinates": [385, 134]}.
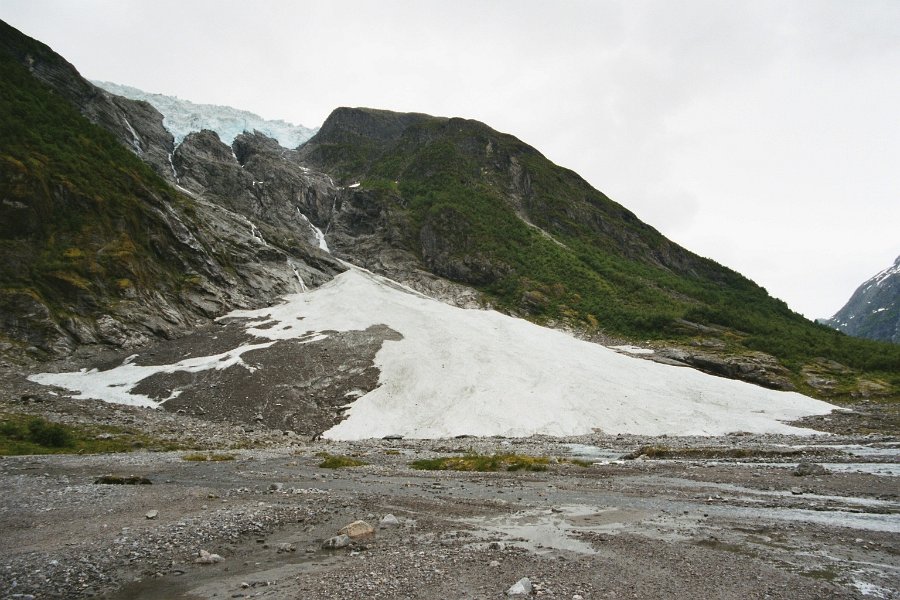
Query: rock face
{"type": "Point", "coordinates": [873, 311]}
{"type": "Point", "coordinates": [755, 367]}
{"type": "Point", "coordinates": [124, 258]}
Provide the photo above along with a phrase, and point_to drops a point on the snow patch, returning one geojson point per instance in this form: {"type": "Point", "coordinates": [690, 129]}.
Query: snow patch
{"type": "Point", "coordinates": [628, 349]}
{"type": "Point", "coordinates": [115, 385]}
{"type": "Point", "coordinates": [482, 373]}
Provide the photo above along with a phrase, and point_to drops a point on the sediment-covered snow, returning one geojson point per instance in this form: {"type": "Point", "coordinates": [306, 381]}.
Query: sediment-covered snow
{"type": "Point", "coordinates": [181, 117]}
{"type": "Point", "coordinates": [479, 372]}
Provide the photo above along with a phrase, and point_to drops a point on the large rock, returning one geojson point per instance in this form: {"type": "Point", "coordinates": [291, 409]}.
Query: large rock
{"type": "Point", "coordinates": [357, 530]}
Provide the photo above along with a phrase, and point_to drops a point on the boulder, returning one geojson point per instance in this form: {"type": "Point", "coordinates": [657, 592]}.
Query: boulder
{"type": "Point", "coordinates": [520, 588]}
{"type": "Point", "coordinates": [808, 468]}
{"type": "Point", "coordinates": [338, 541]}
{"type": "Point", "coordinates": [357, 530]}
{"type": "Point", "coordinates": [389, 520]}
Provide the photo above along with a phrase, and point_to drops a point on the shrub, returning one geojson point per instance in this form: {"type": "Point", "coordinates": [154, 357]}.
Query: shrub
{"type": "Point", "coordinates": [51, 435]}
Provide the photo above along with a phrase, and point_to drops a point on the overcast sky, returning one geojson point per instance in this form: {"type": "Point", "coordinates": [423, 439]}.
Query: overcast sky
{"type": "Point", "coordinates": [762, 134]}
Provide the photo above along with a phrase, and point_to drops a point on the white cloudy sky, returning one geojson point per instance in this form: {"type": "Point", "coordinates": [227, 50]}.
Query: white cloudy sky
{"type": "Point", "coordinates": [764, 134]}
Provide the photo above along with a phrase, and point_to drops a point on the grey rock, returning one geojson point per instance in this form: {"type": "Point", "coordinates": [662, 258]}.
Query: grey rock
{"type": "Point", "coordinates": [808, 468]}
{"type": "Point", "coordinates": [338, 541]}
{"type": "Point", "coordinates": [207, 558]}
{"type": "Point", "coordinates": [522, 587]}
{"type": "Point", "coordinates": [152, 514]}
{"type": "Point", "coordinates": [388, 521]}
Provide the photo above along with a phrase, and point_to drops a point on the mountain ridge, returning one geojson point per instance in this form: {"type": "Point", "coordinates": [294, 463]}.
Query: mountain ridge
{"type": "Point", "coordinates": [873, 311]}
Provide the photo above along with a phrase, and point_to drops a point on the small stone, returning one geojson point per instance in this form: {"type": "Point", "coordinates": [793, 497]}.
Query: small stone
{"type": "Point", "coordinates": [285, 548]}
{"type": "Point", "coordinates": [496, 546]}
{"type": "Point", "coordinates": [797, 491]}
{"type": "Point", "coordinates": [494, 563]}
{"type": "Point", "coordinates": [152, 514]}
{"type": "Point", "coordinates": [207, 558]}
{"type": "Point", "coordinates": [338, 541]}
{"type": "Point", "coordinates": [389, 520]}
{"type": "Point", "coordinates": [520, 588]}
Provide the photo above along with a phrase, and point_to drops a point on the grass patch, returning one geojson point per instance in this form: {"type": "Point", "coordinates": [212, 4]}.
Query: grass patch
{"type": "Point", "coordinates": [482, 463]}
{"type": "Point", "coordinates": [22, 434]}
{"type": "Point", "coordinates": [392, 452]}
{"type": "Point", "coordinates": [207, 457]}
{"type": "Point", "coordinates": [708, 452]}
{"type": "Point", "coordinates": [333, 461]}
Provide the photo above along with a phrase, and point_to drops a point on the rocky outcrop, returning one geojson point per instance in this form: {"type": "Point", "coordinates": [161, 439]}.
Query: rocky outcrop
{"type": "Point", "coordinates": [753, 367]}
{"type": "Point", "coordinates": [123, 258]}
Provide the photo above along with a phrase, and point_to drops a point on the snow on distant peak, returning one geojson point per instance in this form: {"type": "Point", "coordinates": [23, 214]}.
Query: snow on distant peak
{"type": "Point", "coordinates": [479, 372]}
{"type": "Point", "coordinates": [181, 117]}
{"type": "Point", "coordinates": [885, 274]}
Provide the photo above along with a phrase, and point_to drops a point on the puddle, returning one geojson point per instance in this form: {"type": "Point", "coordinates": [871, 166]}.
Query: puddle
{"type": "Point", "coordinates": [890, 451]}
{"type": "Point", "coordinates": [883, 469]}
{"type": "Point", "coordinates": [546, 531]}
{"type": "Point", "coordinates": [593, 453]}
{"type": "Point", "coordinates": [888, 523]}
{"type": "Point", "coordinates": [538, 531]}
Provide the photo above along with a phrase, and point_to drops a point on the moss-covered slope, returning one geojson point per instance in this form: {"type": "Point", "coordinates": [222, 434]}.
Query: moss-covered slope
{"type": "Point", "coordinates": [483, 208]}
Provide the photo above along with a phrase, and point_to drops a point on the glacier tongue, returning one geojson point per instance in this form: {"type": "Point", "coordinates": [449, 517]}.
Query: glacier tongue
{"type": "Point", "coordinates": [482, 373]}
{"type": "Point", "coordinates": [181, 117]}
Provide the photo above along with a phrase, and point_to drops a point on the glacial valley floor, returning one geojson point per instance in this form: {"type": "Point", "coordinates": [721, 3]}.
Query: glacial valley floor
{"type": "Point", "coordinates": [691, 518]}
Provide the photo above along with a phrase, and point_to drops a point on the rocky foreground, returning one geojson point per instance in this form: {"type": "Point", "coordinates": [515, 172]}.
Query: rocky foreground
{"type": "Point", "coordinates": [729, 517]}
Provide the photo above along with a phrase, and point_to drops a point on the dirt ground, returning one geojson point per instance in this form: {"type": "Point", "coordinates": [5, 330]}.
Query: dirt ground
{"type": "Point", "coordinates": [697, 524]}
{"type": "Point", "coordinates": [680, 518]}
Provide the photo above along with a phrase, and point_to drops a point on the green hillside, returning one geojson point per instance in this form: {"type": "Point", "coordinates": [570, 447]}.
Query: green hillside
{"type": "Point", "coordinates": [80, 218]}
{"type": "Point", "coordinates": [461, 193]}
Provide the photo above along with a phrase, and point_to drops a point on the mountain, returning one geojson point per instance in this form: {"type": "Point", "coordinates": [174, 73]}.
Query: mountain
{"type": "Point", "coordinates": [873, 311]}
{"type": "Point", "coordinates": [96, 247]}
{"type": "Point", "coordinates": [147, 239]}
{"type": "Point", "coordinates": [181, 117]}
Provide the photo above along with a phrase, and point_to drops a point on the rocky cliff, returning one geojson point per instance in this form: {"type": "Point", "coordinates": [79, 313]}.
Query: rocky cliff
{"type": "Point", "coordinates": [873, 311]}
{"type": "Point", "coordinates": [95, 247]}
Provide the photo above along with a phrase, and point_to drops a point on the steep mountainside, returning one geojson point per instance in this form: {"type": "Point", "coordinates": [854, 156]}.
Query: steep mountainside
{"type": "Point", "coordinates": [873, 310]}
{"type": "Point", "coordinates": [94, 246]}
{"type": "Point", "coordinates": [482, 208]}
{"type": "Point", "coordinates": [182, 117]}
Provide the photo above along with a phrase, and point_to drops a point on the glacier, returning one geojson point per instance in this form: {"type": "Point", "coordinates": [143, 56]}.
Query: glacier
{"type": "Point", "coordinates": [181, 117]}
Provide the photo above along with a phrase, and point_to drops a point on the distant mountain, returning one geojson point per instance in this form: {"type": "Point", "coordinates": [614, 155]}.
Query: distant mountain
{"type": "Point", "coordinates": [873, 311]}
{"type": "Point", "coordinates": [181, 117]}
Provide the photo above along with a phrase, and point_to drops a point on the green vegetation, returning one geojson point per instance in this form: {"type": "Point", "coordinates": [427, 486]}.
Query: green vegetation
{"type": "Point", "coordinates": [482, 208]}
{"type": "Point", "coordinates": [718, 452]}
{"type": "Point", "coordinates": [80, 222]}
{"type": "Point", "coordinates": [28, 434]}
{"type": "Point", "coordinates": [332, 461]}
{"type": "Point", "coordinates": [207, 457]}
{"type": "Point", "coordinates": [482, 462]}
